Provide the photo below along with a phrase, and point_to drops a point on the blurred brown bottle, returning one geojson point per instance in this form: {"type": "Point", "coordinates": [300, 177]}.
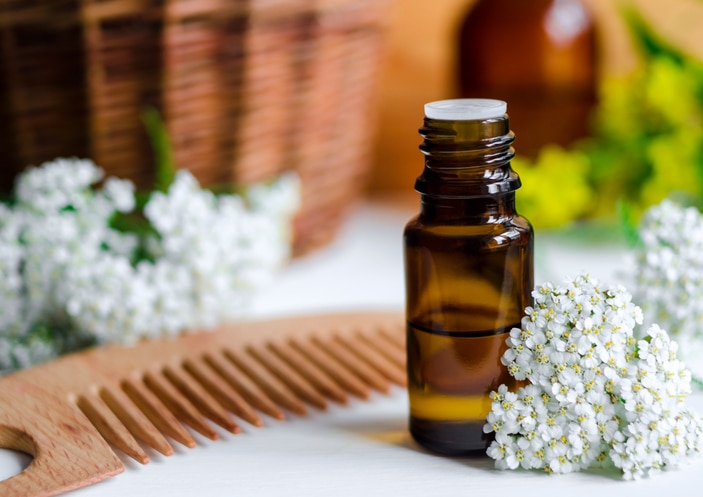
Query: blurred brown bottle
{"type": "Point", "coordinates": [540, 57]}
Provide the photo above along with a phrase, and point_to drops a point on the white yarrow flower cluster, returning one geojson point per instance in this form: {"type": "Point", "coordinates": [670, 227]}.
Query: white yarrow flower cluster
{"type": "Point", "coordinates": [595, 394]}
{"type": "Point", "coordinates": [668, 276]}
{"type": "Point", "coordinates": [67, 277]}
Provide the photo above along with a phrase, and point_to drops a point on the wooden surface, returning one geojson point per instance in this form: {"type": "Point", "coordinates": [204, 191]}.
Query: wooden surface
{"type": "Point", "coordinates": [69, 414]}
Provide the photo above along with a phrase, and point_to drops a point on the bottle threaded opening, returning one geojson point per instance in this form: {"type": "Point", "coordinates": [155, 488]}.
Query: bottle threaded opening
{"type": "Point", "coordinates": [468, 148]}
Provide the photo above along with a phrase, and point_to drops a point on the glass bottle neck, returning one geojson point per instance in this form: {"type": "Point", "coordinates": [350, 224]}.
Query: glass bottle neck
{"type": "Point", "coordinates": [483, 209]}
{"type": "Point", "coordinates": [467, 158]}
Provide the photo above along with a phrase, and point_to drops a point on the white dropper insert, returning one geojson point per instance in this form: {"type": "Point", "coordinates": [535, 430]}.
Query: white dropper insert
{"type": "Point", "coordinates": [465, 109]}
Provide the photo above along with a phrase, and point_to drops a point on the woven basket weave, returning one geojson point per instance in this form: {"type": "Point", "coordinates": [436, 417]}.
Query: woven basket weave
{"type": "Point", "coordinates": [247, 89]}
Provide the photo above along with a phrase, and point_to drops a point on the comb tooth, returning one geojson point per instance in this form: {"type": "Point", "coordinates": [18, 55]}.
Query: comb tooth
{"type": "Point", "coordinates": [333, 368]}
{"type": "Point", "coordinates": [135, 420]}
{"type": "Point", "coordinates": [241, 383]}
{"type": "Point", "coordinates": [157, 412]}
{"type": "Point", "coordinates": [289, 376]}
{"type": "Point", "coordinates": [222, 392]}
{"type": "Point", "coordinates": [378, 361]}
{"type": "Point", "coordinates": [179, 405]}
{"type": "Point", "coordinates": [386, 346]}
{"type": "Point", "coordinates": [395, 334]}
{"type": "Point", "coordinates": [313, 374]}
{"type": "Point", "coordinates": [110, 427]}
{"type": "Point", "coordinates": [274, 387]}
{"type": "Point", "coordinates": [202, 400]}
{"type": "Point", "coordinates": [361, 368]}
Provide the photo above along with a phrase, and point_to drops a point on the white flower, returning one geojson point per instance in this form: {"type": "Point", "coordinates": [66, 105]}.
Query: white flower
{"type": "Point", "coordinates": [64, 268]}
{"type": "Point", "coordinates": [120, 193]}
{"type": "Point", "coordinates": [57, 185]}
{"type": "Point", "coordinates": [595, 392]}
{"type": "Point", "coordinates": [668, 276]}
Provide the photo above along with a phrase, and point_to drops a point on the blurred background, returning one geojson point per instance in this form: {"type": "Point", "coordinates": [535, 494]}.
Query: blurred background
{"type": "Point", "coordinates": [615, 85]}
{"type": "Point", "coordinates": [606, 97]}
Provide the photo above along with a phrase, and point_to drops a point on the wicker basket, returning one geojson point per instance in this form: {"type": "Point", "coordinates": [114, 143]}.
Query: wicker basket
{"type": "Point", "coordinates": [247, 89]}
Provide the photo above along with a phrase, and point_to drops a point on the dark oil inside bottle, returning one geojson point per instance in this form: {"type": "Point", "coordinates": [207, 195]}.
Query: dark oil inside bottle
{"type": "Point", "coordinates": [465, 293]}
{"type": "Point", "coordinates": [452, 376]}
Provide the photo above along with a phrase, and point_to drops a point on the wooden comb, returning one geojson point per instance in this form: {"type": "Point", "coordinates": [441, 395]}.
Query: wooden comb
{"type": "Point", "coordinates": [70, 413]}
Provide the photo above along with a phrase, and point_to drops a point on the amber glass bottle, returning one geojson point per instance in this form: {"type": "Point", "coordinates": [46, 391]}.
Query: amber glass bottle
{"type": "Point", "coordinates": [539, 55]}
{"type": "Point", "coordinates": [468, 271]}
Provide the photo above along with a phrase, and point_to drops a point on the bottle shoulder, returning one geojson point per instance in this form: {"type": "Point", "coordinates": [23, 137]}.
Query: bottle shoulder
{"type": "Point", "coordinates": [513, 231]}
{"type": "Point", "coordinates": [459, 227]}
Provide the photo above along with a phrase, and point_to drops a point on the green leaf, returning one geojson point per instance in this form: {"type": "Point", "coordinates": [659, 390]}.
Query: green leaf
{"type": "Point", "coordinates": [650, 42]}
{"type": "Point", "coordinates": [161, 145]}
{"type": "Point", "coordinates": [628, 224]}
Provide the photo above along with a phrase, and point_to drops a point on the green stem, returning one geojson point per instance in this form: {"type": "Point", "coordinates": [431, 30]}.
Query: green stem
{"type": "Point", "coordinates": [698, 383]}
{"type": "Point", "coordinates": [161, 145]}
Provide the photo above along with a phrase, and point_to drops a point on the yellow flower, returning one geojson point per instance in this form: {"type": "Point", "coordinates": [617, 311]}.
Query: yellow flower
{"type": "Point", "coordinates": [555, 189]}
{"type": "Point", "coordinates": [670, 91]}
{"type": "Point", "coordinates": [673, 159]}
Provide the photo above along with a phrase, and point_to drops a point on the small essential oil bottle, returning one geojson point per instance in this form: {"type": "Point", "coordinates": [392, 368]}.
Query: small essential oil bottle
{"type": "Point", "coordinates": [468, 273]}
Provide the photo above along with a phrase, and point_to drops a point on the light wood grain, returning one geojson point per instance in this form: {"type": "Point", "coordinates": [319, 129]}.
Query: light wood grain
{"type": "Point", "coordinates": [70, 414]}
